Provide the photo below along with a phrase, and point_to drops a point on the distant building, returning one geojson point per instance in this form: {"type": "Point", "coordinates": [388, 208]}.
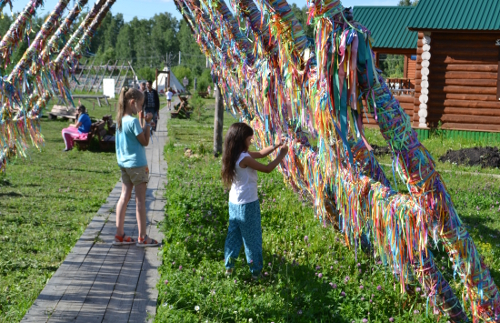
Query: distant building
{"type": "Point", "coordinates": [455, 75]}
{"type": "Point", "coordinates": [457, 79]}
{"type": "Point", "coordinates": [388, 26]}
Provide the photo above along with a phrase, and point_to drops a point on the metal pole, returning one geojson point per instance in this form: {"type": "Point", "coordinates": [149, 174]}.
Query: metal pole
{"type": "Point", "coordinates": [179, 57]}
{"type": "Point", "coordinates": [218, 121]}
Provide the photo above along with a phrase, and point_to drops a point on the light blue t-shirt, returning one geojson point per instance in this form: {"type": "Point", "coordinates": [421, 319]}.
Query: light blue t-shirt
{"type": "Point", "coordinates": [86, 123]}
{"type": "Point", "coordinates": [130, 152]}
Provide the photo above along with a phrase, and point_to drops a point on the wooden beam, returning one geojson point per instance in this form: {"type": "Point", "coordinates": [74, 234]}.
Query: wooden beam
{"type": "Point", "coordinates": [498, 75]}
{"type": "Point", "coordinates": [218, 121]}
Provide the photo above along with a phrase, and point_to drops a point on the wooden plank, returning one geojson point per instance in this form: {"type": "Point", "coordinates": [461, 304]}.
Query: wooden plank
{"type": "Point", "coordinates": [120, 304]}
{"type": "Point", "coordinates": [471, 126]}
{"type": "Point", "coordinates": [146, 292]}
{"type": "Point", "coordinates": [492, 68]}
{"type": "Point", "coordinates": [463, 111]}
{"type": "Point", "coordinates": [71, 303]}
{"type": "Point", "coordinates": [470, 60]}
{"type": "Point", "coordinates": [464, 75]}
{"type": "Point", "coordinates": [494, 106]}
{"type": "Point", "coordinates": [459, 51]}
{"type": "Point", "coordinates": [446, 43]}
{"type": "Point", "coordinates": [461, 96]}
{"type": "Point", "coordinates": [437, 79]}
{"type": "Point", "coordinates": [462, 89]}
{"type": "Point", "coordinates": [455, 118]}
{"type": "Point", "coordinates": [97, 300]}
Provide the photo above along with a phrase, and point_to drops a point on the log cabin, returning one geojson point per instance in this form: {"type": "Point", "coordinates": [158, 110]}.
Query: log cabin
{"type": "Point", "coordinates": [390, 35]}
{"type": "Point", "coordinates": [457, 83]}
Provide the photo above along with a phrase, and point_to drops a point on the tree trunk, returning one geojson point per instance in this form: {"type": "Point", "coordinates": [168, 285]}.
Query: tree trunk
{"type": "Point", "coordinates": [218, 121]}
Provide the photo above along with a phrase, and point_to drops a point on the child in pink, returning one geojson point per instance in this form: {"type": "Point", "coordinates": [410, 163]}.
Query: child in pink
{"type": "Point", "coordinates": [80, 128]}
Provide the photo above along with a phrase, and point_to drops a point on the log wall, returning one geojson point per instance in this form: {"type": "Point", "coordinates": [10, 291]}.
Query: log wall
{"type": "Point", "coordinates": [463, 81]}
{"type": "Point", "coordinates": [405, 101]}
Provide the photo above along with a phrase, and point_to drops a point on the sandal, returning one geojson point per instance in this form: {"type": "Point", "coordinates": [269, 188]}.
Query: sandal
{"type": "Point", "coordinates": [123, 240]}
{"type": "Point", "coordinates": [143, 242]}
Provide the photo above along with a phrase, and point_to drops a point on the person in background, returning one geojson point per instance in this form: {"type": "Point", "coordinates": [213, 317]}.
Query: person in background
{"type": "Point", "coordinates": [142, 87]}
{"type": "Point", "coordinates": [209, 89]}
{"type": "Point", "coordinates": [152, 103]}
{"type": "Point", "coordinates": [80, 127]}
{"type": "Point", "coordinates": [169, 95]}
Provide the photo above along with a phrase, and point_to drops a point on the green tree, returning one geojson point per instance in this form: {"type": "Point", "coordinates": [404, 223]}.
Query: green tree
{"type": "Point", "coordinates": [407, 3]}
{"type": "Point", "coordinates": [124, 44]}
{"type": "Point", "coordinates": [146, 73]}
{"type": "Point", "coordinates": [301, 15]}
{"type": "Point", "coordinates": [182, 71]}
{"type": "Point", "coordinates": [191, 54]}
{"type": "Point", "coordinates": [164, 36]}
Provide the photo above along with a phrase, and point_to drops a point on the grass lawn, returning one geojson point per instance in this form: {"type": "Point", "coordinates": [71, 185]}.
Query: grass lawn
{"type": "Point", "coordinates": [310, 276]}
{"type": "Point", "coordinates": [197, 134]}
{"type": "Point", "coordinates": [438, 146]}
{"type": "Point", "coordinates": [46, 202]}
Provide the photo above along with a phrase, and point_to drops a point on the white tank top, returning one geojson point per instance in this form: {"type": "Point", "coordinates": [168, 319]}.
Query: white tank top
{"type": "Point", "coordinates": [244, 187]}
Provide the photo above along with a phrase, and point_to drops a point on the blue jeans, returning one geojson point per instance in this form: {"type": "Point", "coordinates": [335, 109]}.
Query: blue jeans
{"type": "Point", "coordinates": [244, 228]}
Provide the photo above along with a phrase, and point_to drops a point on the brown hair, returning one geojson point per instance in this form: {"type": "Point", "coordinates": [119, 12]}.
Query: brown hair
{"type": "Point", "coordinates": [234, 145]}
{"type": "Point", "coordinates": [126, 94]}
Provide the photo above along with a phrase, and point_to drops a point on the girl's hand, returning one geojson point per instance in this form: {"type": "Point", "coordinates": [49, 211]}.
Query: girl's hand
{"type": "Point", "coordinates": [149, 117]}
{"type": "Point", "coordinates": [280, 144]}
{"type": "Point", "coordinates": [284, 150]}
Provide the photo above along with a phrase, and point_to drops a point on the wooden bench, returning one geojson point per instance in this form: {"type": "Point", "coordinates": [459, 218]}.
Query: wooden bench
{"type": "Point", "coordinates": [184, 106]}
{"type": "Point", "coordinates": [109, 122]}
{"type": "Point", "coordinates": [203, 94]}
{"type": "Point", "coordinates": [85, 144]}
{"type": "Point", "coordinates": [63, 112]}
{"type": "Point", "coordinates": [106, 141]}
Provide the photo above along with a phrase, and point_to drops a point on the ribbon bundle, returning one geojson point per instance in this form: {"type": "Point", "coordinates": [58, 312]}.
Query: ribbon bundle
{"type": "Point", "coordinates": [302, 89]}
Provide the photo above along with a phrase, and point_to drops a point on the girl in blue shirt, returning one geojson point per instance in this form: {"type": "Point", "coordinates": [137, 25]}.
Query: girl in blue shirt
{"type": "Point", "coordinates": [80, 127]}
{"type": "Point", "coordinates": [132, 136]}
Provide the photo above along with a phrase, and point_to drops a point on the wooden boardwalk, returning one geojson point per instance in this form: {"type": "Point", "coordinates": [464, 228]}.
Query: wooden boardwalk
{"type": "Point", "coordinates": [101, 283]}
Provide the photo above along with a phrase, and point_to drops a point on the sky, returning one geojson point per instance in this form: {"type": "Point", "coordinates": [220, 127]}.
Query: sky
{"type": "Point", "coordinates": [148, 8]}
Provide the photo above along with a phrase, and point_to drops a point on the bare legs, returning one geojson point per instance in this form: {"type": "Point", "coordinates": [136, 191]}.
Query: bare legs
{"type": "Point", "coordinates": [121, 207]}
{"type": "Point", "coordinates": [140, 201]}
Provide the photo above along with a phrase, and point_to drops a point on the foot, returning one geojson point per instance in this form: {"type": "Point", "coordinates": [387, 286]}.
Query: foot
{"type": "Point", "coordinates": [256, 277]}
{"type": "Point", "coordinates": [66, 149]}
{"type": "Point", "coordinates": [229, 271]}
{"type": "Point", "coordinates": [123, 240]}
{"type": "Point", "coordinates": [147, 242]}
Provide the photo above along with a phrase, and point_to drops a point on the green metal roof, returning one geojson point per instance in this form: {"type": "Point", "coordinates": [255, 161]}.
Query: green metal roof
{"type": "Point", "coordinates": [388, 25]}
{"type": "Point", "coordinates": [456, 15]}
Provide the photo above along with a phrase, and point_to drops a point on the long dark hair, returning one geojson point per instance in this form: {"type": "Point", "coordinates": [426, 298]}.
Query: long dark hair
{"type": "Point", "coordinates": [234, 145]}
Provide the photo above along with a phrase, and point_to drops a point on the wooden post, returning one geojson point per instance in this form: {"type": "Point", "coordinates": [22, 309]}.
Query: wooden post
{"type": "Point", "coordinates": [498, 72]}
{"type": "Point", "coordinates": [168, 79]}
{"type": "Point", "coordinates": [218, 121]}
{"type": "Point", "coordinates": [377, 57]}
{"type": "Point", "coordinates": [156, 79]}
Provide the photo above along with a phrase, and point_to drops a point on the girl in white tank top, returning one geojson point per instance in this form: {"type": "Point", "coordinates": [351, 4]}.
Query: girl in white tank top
{"type": "Point", "coordinates": [239, 170]}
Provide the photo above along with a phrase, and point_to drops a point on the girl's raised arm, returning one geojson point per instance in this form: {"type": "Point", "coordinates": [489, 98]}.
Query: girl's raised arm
{"type": "Point", "coordinates": [265, 152]}
{"type": "Point", "coordinates": [252, 163]}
